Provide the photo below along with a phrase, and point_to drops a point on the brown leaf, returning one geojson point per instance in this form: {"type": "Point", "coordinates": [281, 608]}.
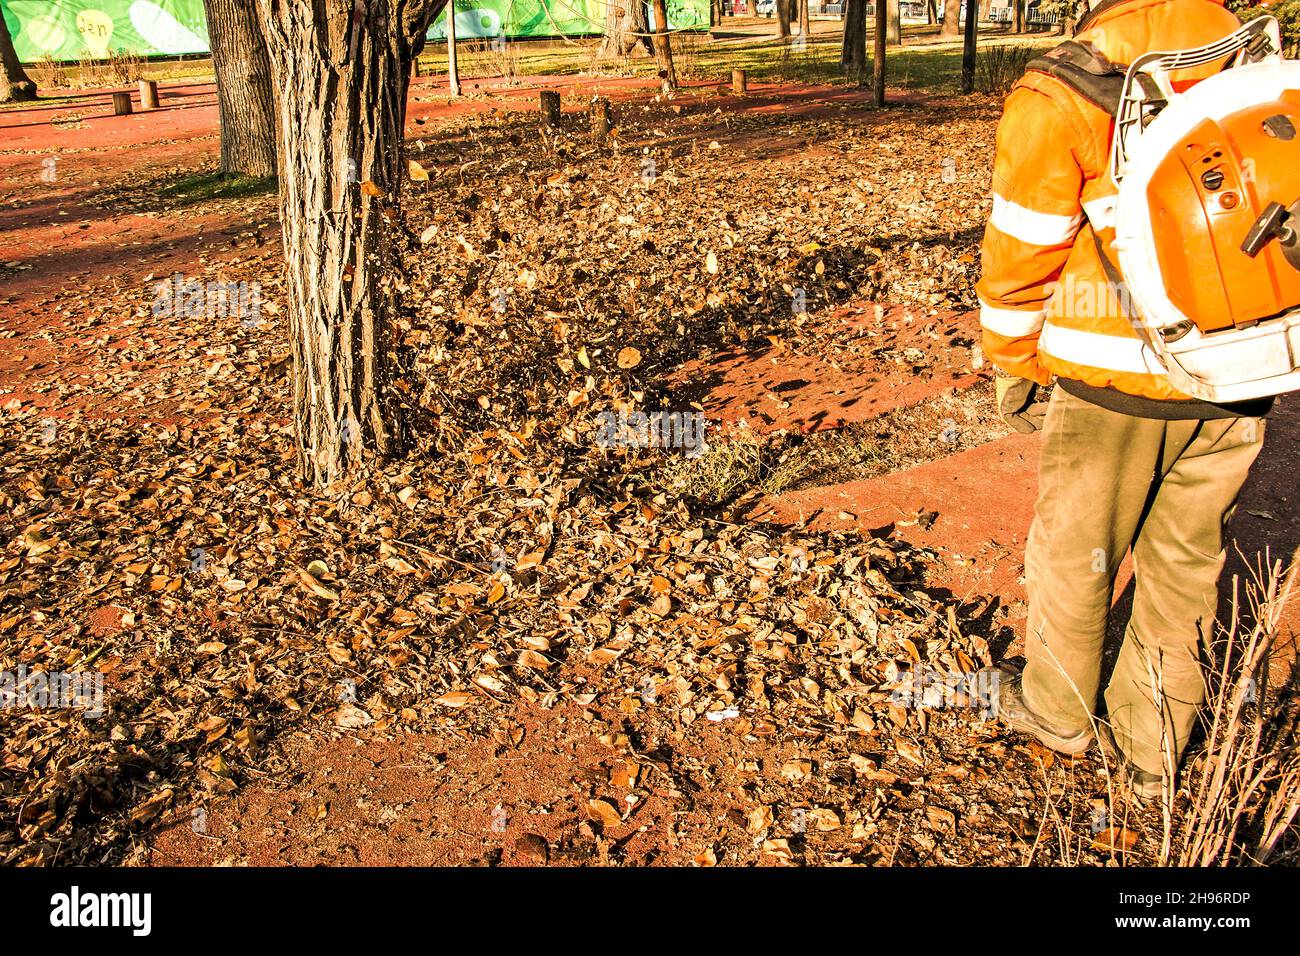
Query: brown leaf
{"type": "Point", "coordinates": [1116, 839]}
{"type": "Point", "coordinates": [604, 812]}
{"type": "Point", "coordinates": [455, 698]}
{"type": "Point", "coordinates": [309, 582]}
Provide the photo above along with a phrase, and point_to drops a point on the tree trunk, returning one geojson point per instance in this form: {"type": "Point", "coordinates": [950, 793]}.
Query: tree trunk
{"type": "Point", "coordinates": [663, 51]}
{"type": "Point", "coordinates": [783, 19]}
{"type": "Point", "coordinates": [878, 58]}
{"type": "Point", "coordinates": [894, 24]}
{"type": "Point", "coordinates": [15, 84]}
{"type": "Point", "coordinates": [951, 18]}
{"type": "Point", "coordinates": [753, 8]}
{"type": "Point", "coordinates": [805, 29]}
{"type": "Point", "coordinates": [968, 46]}
{"type": "Point", "coordinates": [853, 54]}
{"type": "Point", "coordinates": [930, 14]}
{"type": "Point", "coordinates": [1018, 15]}
{"type": "Point", "coordinates": [625, 29]}
{"type": "Point", "coordinates": [244, 93]}
{"type": "Point", "coordinates": [341, 70]}
{"type": "Point", "coordinates": [453, 69]}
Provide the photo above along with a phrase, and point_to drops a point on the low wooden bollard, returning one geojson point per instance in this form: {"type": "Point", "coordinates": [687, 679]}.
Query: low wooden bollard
{"type": "Point", "coordinates": [739, 81]}
{"type": "Point", "coordinates": [121, 104]}
{"type": "Point", "coordinates": [600, 117]}
{"type": "Point", "coordinates": [148, 95]}
{"type": "Point", "coordinates": [550, 100]}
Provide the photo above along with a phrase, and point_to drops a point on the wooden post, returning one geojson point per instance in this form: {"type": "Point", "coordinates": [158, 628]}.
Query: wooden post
{"type": "Point", "coordinates": [550, 108]}
{"type": "Point", "coordinates": [600, 117]}
{"type": "Point", "coordinates": [453, 68]}
{"type": "Point", "coordinates": [878, 56]}
{"type": "Point", "coordinates": [148, 95]}
{"type": "Point", "coordinates": [121, 104]}
{"type": "Point", "coordinates": [968, 46]}
{"type": "Point", "coordinates": [739, 81]}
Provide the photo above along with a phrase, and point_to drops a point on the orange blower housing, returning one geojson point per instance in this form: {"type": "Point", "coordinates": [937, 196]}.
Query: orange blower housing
{"type": "Point", "coordinates": [1206, 197]}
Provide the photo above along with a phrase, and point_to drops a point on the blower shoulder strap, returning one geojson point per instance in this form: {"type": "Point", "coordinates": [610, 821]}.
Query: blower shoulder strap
{"type": "Point", "coordinates": [1084, 69]}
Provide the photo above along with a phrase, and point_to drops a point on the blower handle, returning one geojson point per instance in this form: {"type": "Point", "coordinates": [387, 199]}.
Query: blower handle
{"type": "Point", "coordinates": [1147, 88]}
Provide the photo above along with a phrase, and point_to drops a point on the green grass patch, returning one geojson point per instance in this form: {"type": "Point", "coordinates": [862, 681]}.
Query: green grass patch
{"type": "Point", "coordinates": [202, 187]}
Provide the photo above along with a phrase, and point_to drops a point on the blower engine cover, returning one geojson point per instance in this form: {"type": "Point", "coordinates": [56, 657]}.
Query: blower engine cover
{"type": "Point", "coordinates": [1208, 233]}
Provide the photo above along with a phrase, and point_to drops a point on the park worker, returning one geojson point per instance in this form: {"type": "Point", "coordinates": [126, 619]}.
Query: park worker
{"type": "Point", "coordinates": [1130, 458]}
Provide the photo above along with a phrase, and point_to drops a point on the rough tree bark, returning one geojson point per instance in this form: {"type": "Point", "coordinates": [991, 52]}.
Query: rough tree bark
{"type": "Point", "coordinates": [15, 84]}
{"type": "Point", "coordinates": [663, 49]}
{"type": "Point", "coordinates": [853, 54]}
{"type": "Point", "coordinates": [626, 27]}
{"type": "Point", "coordinates": [951, 18]}
{"type": "Point", "coordinates": [878, 56]}
{"type": "Point", "coordinates": [244, 93]}
{"type": "Point", "coordinates": [341, 70]}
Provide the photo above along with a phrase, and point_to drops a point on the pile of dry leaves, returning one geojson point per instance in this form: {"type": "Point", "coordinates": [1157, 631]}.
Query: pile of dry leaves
{"type": "Point", "coordinates": [549, 279]}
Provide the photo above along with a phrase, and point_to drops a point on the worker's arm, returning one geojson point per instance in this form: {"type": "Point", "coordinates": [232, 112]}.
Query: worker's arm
{"type": "Point", "coordinates": [1036, 214]}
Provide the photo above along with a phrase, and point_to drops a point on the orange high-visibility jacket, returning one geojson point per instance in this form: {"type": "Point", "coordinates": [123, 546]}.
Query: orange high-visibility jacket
{"type": "Point", "coordinates": [1046, 307]}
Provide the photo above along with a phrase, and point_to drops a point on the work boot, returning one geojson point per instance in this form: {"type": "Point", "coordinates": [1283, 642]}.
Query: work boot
{"type": "Point", "coordinates": [1009, 707]}
{"type": "Point", "coordinates": [1142, 784]}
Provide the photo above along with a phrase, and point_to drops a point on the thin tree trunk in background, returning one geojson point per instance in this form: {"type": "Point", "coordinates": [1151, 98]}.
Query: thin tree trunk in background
{"type": "Point", "coordinates": [878, 59]}
{"type": "Point", "coordinates": [783, 18]}
{"type": "Point", "coordinates": [805, 28]}
{"type": "Point", "coordinates": [341, 70]}
{"type": "Point", "coordinates": [753, 8]}
{"type": "Point", "coordinates": [15, 84]}
{"type": "Point", "coordinates": [968, 46]}
{"type": "Point", "coordinates": [951, 18]}
{"type": "Point", "coordinates": [894, 24]}
{"type": "Point", "coordinates": [1018, 17]}
{"type": "Point", "coordinates": [930, 13]}
{"type": "Point", "coordinates": [853, 53]}
{"type": "Point", "coordinates": [453, 68]}
{"type": "Point", "coordinates": [663, 50]}
{"type": "Point", "coordinates": [625, 29]}
{"type": "Point", "coordinates": [244, 92]}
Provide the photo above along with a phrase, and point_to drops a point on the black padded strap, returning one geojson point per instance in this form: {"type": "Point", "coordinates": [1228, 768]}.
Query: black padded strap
{"type": "Point", "coordinates": [1084, 69]}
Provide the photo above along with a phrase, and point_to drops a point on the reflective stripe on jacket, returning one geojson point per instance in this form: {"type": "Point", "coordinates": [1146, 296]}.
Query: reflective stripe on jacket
{"type": "Point", "coordinates": [1046, 306]}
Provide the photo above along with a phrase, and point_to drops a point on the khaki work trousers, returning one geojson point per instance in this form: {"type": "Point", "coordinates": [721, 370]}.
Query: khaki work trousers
{"type": "Point", "coordinates": [1109, 482]}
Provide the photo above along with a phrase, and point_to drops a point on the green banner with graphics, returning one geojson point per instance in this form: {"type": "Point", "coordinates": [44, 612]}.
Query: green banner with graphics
{"type": "Point", "coordinates": [73, 29]}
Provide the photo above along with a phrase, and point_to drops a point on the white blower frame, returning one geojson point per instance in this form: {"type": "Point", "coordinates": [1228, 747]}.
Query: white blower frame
{"type": "Point", "coordinates": [1231, 364]}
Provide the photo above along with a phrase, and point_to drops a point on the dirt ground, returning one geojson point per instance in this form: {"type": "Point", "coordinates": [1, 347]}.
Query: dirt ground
{"type": "Point", "coordinates": [646, 737]}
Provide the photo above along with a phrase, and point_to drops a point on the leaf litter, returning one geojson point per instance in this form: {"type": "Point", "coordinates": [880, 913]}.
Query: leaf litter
{"type": "Point", "coordinates": [162, 538]}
